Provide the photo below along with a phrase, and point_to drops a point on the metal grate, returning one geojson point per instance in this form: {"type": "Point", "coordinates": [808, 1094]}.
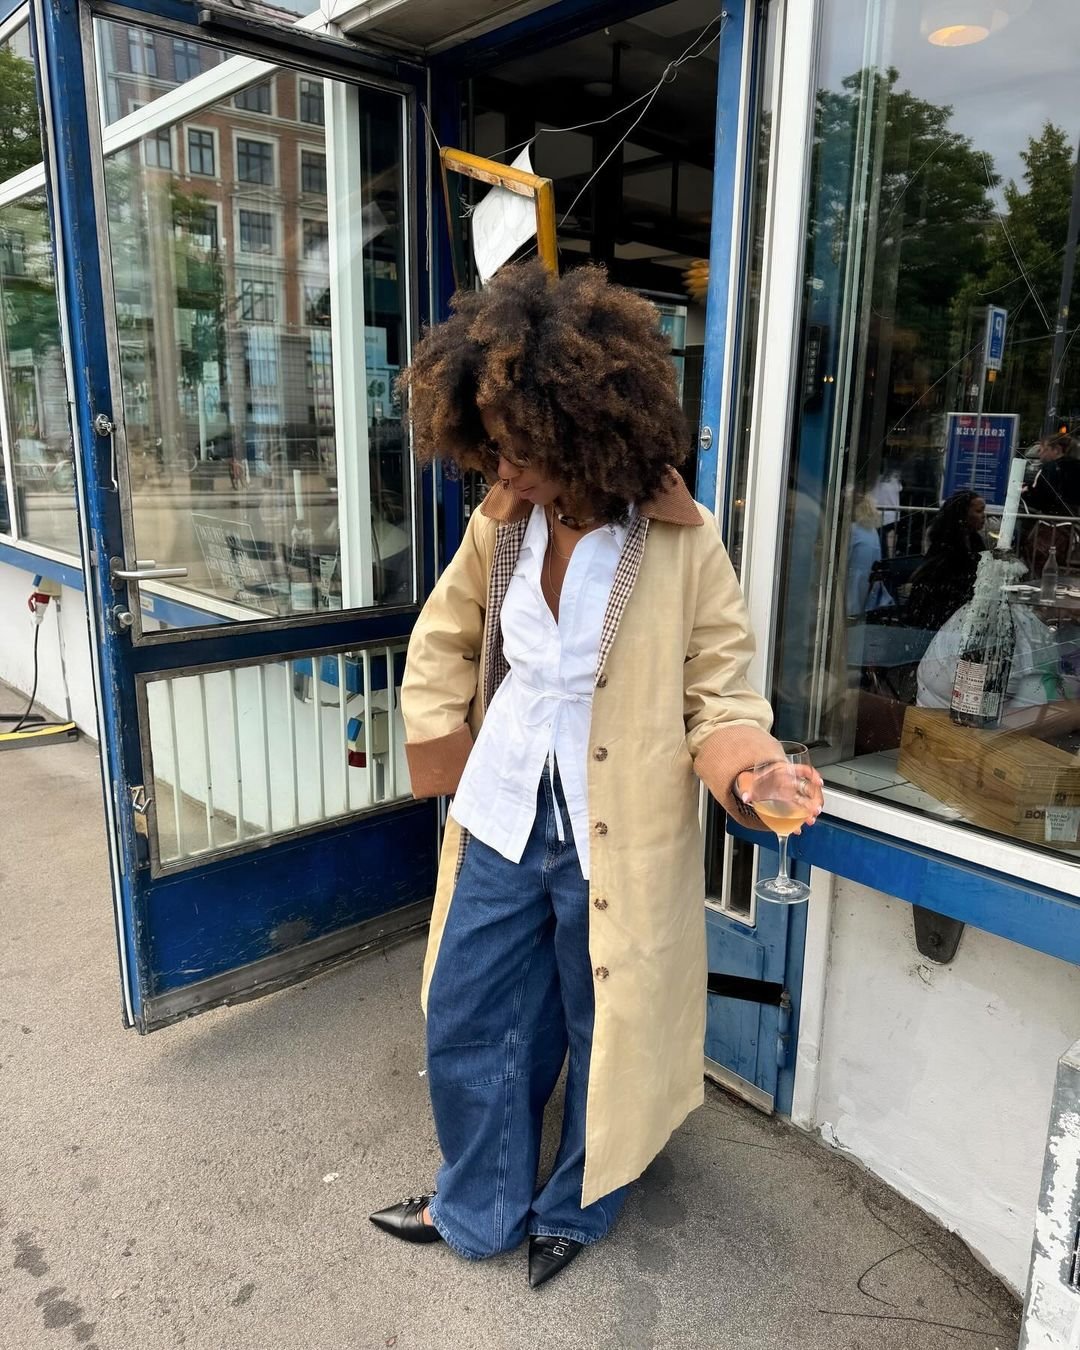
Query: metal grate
{"type": "Point", "coordinates": [254, 752]}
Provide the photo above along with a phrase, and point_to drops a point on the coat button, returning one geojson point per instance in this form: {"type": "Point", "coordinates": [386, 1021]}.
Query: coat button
{"type": "Point", "coordinates": [601, 682]}
{"type": "Point", "coordinates": [600, 827]}
{"type": "Point", "coordinates": [601, 972]}
{"type": "Point", "coordinates": [599, 903]}
{"type": "Point", "coordinates": [600, 752]}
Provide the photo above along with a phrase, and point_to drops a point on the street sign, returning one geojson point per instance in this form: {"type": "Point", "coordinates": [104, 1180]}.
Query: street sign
{"type": "Point", "coordinates": [994, 342]}
{"type": "Point", "coordinates": [984, 468]}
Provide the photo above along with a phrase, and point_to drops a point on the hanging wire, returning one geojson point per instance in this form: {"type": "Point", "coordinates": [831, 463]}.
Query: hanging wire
{"type": "Point", "coordinates": [1012, 247]}
{"type": "Point", "coordinates": [427, 119]}
{"type": "Point", "coordinates": [697, 48]}
{"type": "Point", "coordinates": [666, 78]}
{"type": "Point", "coordinates": [669, 75]}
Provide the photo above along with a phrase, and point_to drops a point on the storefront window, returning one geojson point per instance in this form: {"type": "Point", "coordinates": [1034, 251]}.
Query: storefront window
{"type": "Point", "coordinates": [926, 665]}
{"type": "Point", "coordinates": [37, 474]}
{"type": "Point", "coordinates": [282, 487]}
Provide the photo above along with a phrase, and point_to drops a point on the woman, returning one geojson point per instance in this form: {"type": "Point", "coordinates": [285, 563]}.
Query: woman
{"type": "Point", "coordinates": [865, 592]}
{"type": "Point", "coordinates": [1055, 492]}
{"type": "Point", "coordinates": [946, 578]}
{"type": "Point", "coordinates": [572, 852]}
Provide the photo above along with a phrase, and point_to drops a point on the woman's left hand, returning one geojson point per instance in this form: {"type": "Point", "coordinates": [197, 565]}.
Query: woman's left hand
{"type": "Point", "coordinates": [811, 788]}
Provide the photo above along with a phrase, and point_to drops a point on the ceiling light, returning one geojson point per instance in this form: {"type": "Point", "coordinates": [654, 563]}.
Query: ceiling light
{"type": "Point", "coordinates": [961, 23]}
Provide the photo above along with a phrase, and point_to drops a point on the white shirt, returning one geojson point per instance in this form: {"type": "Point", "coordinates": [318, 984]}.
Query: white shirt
{"type": "Point", "coordinates": [543, 708]}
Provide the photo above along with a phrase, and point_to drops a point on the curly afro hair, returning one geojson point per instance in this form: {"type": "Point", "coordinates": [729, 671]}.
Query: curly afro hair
{"type": "Point", "coordinates": [575, 364]}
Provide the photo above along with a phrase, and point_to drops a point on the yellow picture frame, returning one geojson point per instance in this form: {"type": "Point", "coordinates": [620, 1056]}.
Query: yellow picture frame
{"type": "Point", "coordinates": [514, 180]}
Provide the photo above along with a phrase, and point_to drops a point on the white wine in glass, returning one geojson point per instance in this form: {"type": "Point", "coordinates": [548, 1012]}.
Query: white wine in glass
{"type": "Point", "coordinates": [780, 794]}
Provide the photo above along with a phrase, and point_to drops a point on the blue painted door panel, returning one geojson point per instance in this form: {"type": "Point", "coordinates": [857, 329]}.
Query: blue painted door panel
{"type": "Point", "coordinates": [733, 1026]}
{"type": "Point", "coordinates": [227, 927]}
{"type": "Point", "coordinates": [249, 908]}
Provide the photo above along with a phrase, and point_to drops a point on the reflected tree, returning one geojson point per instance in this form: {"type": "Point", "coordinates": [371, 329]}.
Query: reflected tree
{"type": "Point", "coordinates": [203, 308]}
{"type": "Point", "coordinates": [1023, 273]}
{"type": "Point", "coordinates": [923, 212]}
{"type": "Point", "coordinates": [20, 129]}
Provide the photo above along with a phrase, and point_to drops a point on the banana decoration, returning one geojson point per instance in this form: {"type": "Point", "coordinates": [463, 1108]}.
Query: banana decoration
{"type": "Point", "coordinates": [696, 279]}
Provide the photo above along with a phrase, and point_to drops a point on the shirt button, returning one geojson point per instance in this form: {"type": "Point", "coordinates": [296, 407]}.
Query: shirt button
{"type": "Point", "coordinates": [600, 904]}
{"type": "Point", "coordinates": [600, 752]}
{"type": "Point", "coordinates": [601, 682]}
{"type": "Point", "coordinates": [601, 972]}
{"type": "Point", "coordinates": [600, 827]}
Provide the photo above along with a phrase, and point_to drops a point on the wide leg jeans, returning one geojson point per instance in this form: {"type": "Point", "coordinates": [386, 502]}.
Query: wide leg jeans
{"type": "Point", "coordinates": [511, 994]}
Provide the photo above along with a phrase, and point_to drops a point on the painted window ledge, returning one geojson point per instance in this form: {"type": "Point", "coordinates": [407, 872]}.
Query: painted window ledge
{"type": "Point", "coordinates": [1023, 911]}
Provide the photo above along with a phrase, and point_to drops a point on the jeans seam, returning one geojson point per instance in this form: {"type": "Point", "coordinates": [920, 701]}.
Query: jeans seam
{"type": "Point", "coordinates": [571, 1234]}
{"type": "Point", "coordinates": [508, 1110]}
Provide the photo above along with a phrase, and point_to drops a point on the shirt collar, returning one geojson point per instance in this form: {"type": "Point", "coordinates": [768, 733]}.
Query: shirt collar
{"type": "Point", "coordinates": [536, 531]}
{"type": "Point", "coordinates": [672, 504]}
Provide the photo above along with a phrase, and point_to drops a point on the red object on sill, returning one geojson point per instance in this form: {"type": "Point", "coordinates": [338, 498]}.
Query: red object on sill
{"type": "Point", "coordinates": [357, 759]}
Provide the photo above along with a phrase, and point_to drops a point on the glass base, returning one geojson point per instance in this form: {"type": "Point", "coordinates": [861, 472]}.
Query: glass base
{"type": "Point", "coordinates": [782, 892]}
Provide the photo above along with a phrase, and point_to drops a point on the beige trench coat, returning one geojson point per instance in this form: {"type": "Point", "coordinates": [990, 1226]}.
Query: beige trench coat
{"type": "Point", "coordinates": [671, 699]}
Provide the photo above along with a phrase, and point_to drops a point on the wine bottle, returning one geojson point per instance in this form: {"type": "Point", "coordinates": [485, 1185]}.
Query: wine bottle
{"type": "Point", "coordinates": [988, 640]}
{"type": "Point", "coordinates": [1049, 580]}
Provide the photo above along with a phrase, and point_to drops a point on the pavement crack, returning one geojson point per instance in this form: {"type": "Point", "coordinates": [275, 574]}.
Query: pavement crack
{"type": "Point", "coordinates": [901, 1317]}
{"type": "Point", "coordinates": [950, 1275]}
{"type": "Point", "coordinates": [869, 1269]}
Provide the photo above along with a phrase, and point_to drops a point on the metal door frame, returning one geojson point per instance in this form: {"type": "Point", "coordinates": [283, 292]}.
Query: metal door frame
{"type": "Point", "coordinates": [59, 29]}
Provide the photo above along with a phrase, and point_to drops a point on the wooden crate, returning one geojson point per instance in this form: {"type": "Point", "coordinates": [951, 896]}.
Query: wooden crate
{"type": "Point", "coordinates": [1003, 781]}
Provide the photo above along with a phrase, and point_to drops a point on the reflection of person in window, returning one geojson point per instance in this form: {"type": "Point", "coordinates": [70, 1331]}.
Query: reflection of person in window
{"type": "Point", "coordinates": [885, 495]}
{"type": "Point", "coordinates": [864, 554]}
{"type": "Point", "coordinates": [392, 547]}
{"type": "Point", "coordinates": [946, 578]}
{"type": "Point", "coordinates": [1054, 492]}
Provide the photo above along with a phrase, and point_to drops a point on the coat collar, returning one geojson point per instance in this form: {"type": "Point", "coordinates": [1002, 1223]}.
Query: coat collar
{"type": "Point", "coordinates": [672, 504]}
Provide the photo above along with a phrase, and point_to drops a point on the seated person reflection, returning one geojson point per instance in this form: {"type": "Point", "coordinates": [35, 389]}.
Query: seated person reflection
{"type": "Point", "coordinates": [946, 579]}
{"type": "Point", "coordinates": [1054, 492]}
{"type": "Point", "coordinates": [864, 592]}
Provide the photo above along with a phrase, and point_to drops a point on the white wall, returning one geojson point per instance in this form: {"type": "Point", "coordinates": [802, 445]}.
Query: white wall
{"type": "Point", "coordinates": [938, 1078]}
{"type": "Point", "coordinates": [17, 648]}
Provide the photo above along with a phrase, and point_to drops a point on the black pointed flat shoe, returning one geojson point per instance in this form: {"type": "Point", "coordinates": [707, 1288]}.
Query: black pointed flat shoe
{"type": "Point", "coordinates": [403, 1220]}
{"type": "Point", "coordinates": [548, 1255]}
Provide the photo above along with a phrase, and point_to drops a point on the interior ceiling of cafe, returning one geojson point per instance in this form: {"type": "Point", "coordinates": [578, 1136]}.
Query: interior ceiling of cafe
{"type": "Point", "coordinates": [646, 211]}
{"type": "Point", "coordinates": [430, 25]}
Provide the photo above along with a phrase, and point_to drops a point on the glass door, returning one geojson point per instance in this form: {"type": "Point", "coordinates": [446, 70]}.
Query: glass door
{"type": "Point", "coordinates": [241, 294]}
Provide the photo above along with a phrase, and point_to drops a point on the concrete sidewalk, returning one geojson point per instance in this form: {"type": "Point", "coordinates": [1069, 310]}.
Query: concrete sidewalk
{"type": "Point", "coordinates": [208, 1186]}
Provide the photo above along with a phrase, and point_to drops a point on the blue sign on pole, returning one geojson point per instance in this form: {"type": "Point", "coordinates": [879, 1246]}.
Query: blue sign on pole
{"type": "Point", "coordinates": [982, 467]}
{"type": "Point", "coordinates": [994, 346]}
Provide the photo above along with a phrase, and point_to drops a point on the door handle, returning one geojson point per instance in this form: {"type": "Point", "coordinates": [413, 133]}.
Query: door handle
{"type": "Point", "coordinates": [150, 571]}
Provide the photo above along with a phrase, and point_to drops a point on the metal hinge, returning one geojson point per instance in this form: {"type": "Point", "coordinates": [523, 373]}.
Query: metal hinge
{"type": "Point", "coordinates": [140, 804]}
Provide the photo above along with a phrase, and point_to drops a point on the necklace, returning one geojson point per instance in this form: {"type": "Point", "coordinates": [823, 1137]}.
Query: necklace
{"type": "Point", "coordinates": [551, 536]}
{"type": "Point", "coordinates": [573, 523]}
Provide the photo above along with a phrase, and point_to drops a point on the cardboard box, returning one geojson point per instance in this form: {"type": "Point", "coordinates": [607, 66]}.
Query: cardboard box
{"type": "Point", "coordinates": [1001, 780]}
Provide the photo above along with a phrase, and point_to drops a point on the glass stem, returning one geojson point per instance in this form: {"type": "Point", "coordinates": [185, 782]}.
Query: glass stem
{"type": "Point", "coordinates": [783, 875]}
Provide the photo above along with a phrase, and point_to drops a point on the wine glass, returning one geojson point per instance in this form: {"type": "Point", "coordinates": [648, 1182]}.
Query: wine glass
{"type": "Point", "coordinates": [780, 794]}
